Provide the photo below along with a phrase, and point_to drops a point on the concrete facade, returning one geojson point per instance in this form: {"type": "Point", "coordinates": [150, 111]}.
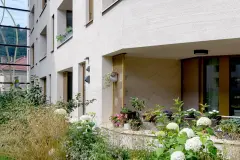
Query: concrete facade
{"type": "Point", "coordinates": [169, 29]}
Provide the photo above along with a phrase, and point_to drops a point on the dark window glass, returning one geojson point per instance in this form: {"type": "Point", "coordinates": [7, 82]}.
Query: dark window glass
{"type": "Point", "coordinates": [69, 18]}
{"type": "Point", "coordinates": [235, 86]}
{"type": "Point", "coordinates": [211, 96]}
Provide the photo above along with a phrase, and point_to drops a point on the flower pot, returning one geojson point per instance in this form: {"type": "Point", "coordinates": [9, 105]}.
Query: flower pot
{"type": "Point", "coordinates": [127, 126]}
{"type": "Point", "coordinates": [133, 115]}
{"type": "Point", "coordinates": [113, 79]}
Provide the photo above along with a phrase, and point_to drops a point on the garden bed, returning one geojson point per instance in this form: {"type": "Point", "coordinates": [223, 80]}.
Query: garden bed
{"type": "Point", "coordinates": [140, 140]}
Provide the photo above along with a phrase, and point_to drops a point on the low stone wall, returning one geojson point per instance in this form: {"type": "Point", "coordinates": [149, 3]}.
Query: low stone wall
{"type": "Point", "coordinates": [141, 140]}
{"type": "Point", "coordinates": [128, 138]}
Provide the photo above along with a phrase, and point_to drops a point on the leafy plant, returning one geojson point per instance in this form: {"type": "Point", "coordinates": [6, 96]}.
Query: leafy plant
{"type": "Point", "coordinates": [230, 128]}
{"type": "Point", "coordinates": [136, 124]}
{"type": "Point", "coordinates": [212, 114]}
{"type": "Point", "coordinates": [74, 103]}
{"type": "Point", "coordinates": [192, 113]}
{"type": "Point", "coordinates": [118, 120]}
{"type": "Point", "coordinates": [138, 104]}
{"type": "Point", "coordinates": [203, 107]}
{"type": "Point", "coordinates": [34, 94]}
{"type": "Point", "coordinates": [179, 115]}
{"type": "Point", "coordinates": [106, 80]}
{"type": "Point", "coordinates": [158, 115]}
{"type": "Point", "coordinates": [125, 110]}
{"type": "Point", "coordinates": [69, 29]}
{"type": "Point", "coordinates": [60, 38]}
{"type": "Point", "coordinates": [199, 147]}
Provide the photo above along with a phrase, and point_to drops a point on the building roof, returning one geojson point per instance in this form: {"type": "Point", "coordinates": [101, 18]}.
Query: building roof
{"type": "Point", "coordinates": [22, 60]}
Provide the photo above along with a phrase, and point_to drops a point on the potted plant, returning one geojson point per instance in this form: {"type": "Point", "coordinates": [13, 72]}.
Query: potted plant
{"type": "Point", "coordinates": [60, 38]}
{"type": "Point", "coordinates": [138, 104]}
{"type": "Point", "coordinates": [118, 120]}
{"type": "Point", "coordinates": [113, 77]}
{"type": "Point", "coordinates": [149, 116]}
{"type": "Point", "coordinates": [127, 125]}
{"type": "Point", "coordinates": [214, 116]}
{"type": "Point", "coordinates": [192, 114]}
{"type": "Point", "coordinates": [135, 124]}
{"type": "Point", "coordinates": [127, 112]}
{"type": "Point", "coordinates": [110, 78]}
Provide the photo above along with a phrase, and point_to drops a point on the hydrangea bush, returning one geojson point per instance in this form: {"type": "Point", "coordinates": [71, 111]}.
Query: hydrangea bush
{"type": "Point", "coordinates": [188, 143]}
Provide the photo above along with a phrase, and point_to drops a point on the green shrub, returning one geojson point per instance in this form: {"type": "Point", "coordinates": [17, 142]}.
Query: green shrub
{"type": "Point", "coordinates": [230, 128]}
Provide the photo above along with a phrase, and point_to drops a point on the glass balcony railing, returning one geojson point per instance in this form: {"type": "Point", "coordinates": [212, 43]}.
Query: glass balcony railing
{"type": "Point", "coordinates": [62, 38]}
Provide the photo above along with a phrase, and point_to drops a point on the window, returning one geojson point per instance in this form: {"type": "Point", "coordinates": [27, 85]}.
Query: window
{"type": "Point", "coordinates": [89, 10]}
{"type": "Point", "coordinates": [211, 96]}
{"type": "Point", "coordinates": [53, 34]}
{"type": "Point", "coordinates": [44, 85]}
{"type": "Point", "coordinates": [69, 18]}
{"type": "Point", "coordinates": [32, 55]}
{"type": "Point", "coordinates": [43, 43]}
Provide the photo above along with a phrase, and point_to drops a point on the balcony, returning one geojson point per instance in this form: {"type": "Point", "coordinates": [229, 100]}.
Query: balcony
{"type": "Point", "coordinates": [65, 23]}
{"type": "Point", "coordinates": [63, 38]}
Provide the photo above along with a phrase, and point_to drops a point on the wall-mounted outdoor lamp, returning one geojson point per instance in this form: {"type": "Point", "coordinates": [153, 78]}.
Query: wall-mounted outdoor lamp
{"type": "Point", "coordinates": [87, 79]}
{"type": "Point", "coordinates": [86, 59]}
{"type": "Point", "coordinates": [88, 69]}
{"type": "Point", "coordinates": [201, 52]}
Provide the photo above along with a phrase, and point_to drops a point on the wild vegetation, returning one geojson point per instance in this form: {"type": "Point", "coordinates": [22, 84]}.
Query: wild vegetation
{"type": "Point", "coordinates": [32, 129]}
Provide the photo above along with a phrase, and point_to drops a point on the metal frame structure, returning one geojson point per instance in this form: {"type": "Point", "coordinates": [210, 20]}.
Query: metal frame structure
{"type": "Point", "coordinates": [11, 64]}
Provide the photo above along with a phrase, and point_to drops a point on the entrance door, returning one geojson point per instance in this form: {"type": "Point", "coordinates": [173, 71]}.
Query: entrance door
{"type": "Point", "coordinates": [235, 86]}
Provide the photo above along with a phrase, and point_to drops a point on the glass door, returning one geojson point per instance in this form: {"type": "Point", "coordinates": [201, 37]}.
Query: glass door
{"type": "Point", "coordinates": [235, 86]}
{"type": "Point", "coordinates": [211, 86]}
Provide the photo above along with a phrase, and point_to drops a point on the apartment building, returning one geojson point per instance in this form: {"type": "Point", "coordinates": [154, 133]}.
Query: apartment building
{"type": "Point", "coordinates": [160, 50]}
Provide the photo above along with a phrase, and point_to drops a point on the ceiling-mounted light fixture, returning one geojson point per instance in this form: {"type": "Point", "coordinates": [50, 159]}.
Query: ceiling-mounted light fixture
{"type": "Point", "coordinates": [201, 52]}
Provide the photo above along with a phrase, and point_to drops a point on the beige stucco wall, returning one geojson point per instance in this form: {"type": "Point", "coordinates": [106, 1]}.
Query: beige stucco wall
{"type": "Point", "coordinates": [158, 81]}
{"type": "Point", "coordinates": [191, 83]}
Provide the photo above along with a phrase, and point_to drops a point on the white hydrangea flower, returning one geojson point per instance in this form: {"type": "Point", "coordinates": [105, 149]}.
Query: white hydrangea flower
{"type": "Point", "coordinates": [172, 126]}
{"type": "Point", "coordinates": [193, 144]}
{"type": "Point", "coordinates": [156, 143]}
{"type": "Point", "coordinates": [188, 131]}
{"type": "Point", "coordinates": [204, 121]}
{"type": "Point", "coordinates": [215, 111]}
{"type": "Point", "coordinates": [177, 155]}
{"type": "Point", "coordinates": [210, 112]}
{"type": "Point", "coordinates": [60, 112]}
{"type": "Point", "coordinates": [160, 133]}
{"type": "Point", "coordinates": [85, 118]}
{"type": "Point", "coordinates": [192, 109]}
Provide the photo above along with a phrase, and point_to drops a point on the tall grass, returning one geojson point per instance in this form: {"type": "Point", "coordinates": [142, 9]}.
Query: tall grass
{"type": "Point", "coordinates": [38, 136]}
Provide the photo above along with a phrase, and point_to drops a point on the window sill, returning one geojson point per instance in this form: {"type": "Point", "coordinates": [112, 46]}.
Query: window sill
{"type": "Point", "coordinates": [89, 23]}
{"type": "Point", "coordinates": [110, 7]}
{"type": "Point", "coordinates": [43, 58]}
{"type": "Point", "coordinates": [65, 41]}
{"type": "Point", "coordinates": [43, 10]}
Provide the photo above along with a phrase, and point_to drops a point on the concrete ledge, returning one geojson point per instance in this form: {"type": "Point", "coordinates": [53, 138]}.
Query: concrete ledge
{"type": "Point", "coordinates": [141, 139]}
